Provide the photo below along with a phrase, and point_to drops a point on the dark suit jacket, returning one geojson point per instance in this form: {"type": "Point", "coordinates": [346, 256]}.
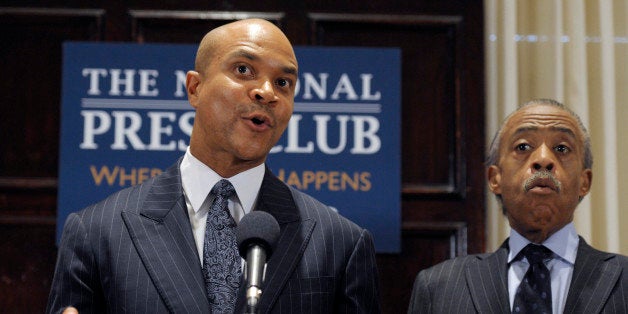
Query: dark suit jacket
{"type": "Point", "coordinates": [478, 284]}
{"type": "Point", "coordinates": [134, 252]}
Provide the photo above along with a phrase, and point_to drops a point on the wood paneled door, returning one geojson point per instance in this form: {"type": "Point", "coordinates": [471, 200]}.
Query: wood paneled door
{"type": "Point", "coordinates": [442, 115]}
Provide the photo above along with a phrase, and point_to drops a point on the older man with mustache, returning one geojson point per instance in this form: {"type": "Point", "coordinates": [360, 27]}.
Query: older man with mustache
{"type": "Point", "coordinates": [539, 168]}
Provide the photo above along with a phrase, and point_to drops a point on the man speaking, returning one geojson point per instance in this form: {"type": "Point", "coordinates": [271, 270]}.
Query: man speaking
{"type": "Point", "coordinates": [169, 246]}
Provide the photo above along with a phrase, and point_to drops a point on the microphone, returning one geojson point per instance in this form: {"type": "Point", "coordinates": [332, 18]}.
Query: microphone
{"type": "Point", "coordinates": [256, 234]}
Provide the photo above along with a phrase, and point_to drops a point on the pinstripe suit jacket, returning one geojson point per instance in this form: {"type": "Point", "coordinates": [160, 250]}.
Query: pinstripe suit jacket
{"type": "Point", "coordinates": [134, 253]}
{"type": "Point", "coordinates": [478, 284]}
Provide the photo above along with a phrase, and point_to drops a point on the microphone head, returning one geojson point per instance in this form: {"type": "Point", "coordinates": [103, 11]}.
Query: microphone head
{"type": "Point", "coordinates": [257, 228]}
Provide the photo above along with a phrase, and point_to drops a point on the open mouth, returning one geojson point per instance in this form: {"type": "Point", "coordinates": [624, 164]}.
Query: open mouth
{"type": "Point", "coordinates": [258, 121]}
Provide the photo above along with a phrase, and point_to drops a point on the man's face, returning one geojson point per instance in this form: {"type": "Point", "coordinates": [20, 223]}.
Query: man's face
{"type": "Point", "coordinates": [244, 98]}
{"type": "Point", "coordinates": [540, 174]}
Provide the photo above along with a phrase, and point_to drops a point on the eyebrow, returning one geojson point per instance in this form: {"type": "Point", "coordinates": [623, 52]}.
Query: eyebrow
{"type": "Point", "coordinates": [524, 129]}
{"type": "Point", "coordinates": [244, 54]}
{"type": "Point", "coordinates": [247, 55]}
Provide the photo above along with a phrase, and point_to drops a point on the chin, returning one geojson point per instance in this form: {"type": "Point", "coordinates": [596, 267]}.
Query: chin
{"type": "Point", "coordinates": [252, 155]}
{"type": "Point", "coordinates": [540, 223]}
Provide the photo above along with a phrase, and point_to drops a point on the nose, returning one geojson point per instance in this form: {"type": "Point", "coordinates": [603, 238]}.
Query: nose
{"type": "Point", "coordinates": [264, 93]}
{"type": "Point", "coordinates": [543, 159]}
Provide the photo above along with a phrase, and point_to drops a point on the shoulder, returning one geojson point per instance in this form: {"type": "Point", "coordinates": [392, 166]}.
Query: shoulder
{"type": "Point", "coordinates": [308, 204]}
{"type": "Point", "coordinates": [130, 198]}
{"type": "Point", "coordinates": [455, 270]}
{"type": "Point", "coordinates": [444, 270]}
{"type": "Point", "coordinates": [125, 198]}
{"type": "Point", "coordinates": [311, 208]}
{"type": "Point", "coordinates": [587, 252]}
{"type": "Point", "coordinates": [330, 226]}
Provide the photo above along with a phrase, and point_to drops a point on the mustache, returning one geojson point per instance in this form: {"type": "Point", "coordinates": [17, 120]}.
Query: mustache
{"type": "Point", "coordinates": [539, 176]}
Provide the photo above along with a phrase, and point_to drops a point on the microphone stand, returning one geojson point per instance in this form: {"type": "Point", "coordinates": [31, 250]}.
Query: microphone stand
{"type": "Point", "coordinates": [254, 275]}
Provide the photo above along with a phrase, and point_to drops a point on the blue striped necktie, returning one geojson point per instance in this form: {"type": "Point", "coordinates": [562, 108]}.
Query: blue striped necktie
{"type": "Point", "coordinates": [221, 261]}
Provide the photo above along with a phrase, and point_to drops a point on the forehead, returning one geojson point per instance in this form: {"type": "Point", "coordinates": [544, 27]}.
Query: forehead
{"type": "Point", "coordinates": [257, 43]}
{"type": "Point", "coordinates": [541, 118]}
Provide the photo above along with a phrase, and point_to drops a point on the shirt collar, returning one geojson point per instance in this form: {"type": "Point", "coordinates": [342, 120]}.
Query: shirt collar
{"type": "Point", "coordinates": [198, 180]}
{"type": "Point", "coordinates": [563, 243]}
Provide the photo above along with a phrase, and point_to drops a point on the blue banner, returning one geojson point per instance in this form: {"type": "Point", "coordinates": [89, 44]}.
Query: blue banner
{"type": "Point", "coordinates": [125, 117]}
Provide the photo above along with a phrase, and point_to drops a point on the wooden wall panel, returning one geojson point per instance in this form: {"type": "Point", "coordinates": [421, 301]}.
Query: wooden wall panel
{"type": "Point", "coordinates": [430, 117]}
{"type": "Point", "coordinates": [28, 253]}
{"type": "Point", "coordinates": [30, 60]}
{"type": "Point", "coordinates": [186, 26]}
{"type": "Point", "coordinates": [442, 115]}
{"type": "Point", "coordinates": [30, 57]}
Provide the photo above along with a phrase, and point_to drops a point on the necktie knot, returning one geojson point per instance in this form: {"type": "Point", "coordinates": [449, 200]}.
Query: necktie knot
{"type": "Point", "coordinates": [536, 253]}
{"type": "Point", "coordinates": [223, 189]}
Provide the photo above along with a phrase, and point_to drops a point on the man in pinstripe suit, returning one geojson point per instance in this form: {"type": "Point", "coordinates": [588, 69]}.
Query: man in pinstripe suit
{"type": "Point", "coordinates": [139, 250]}
{"type": "Point", "coordinates": [540, 169]}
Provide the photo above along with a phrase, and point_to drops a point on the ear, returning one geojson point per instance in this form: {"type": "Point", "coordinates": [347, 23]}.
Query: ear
{"type": "Point", "coordinates": [585, 182]}
{"type": "Point", "coordinates": [494, 176]}
{"type": "Point", "coordinates": [192, 82]}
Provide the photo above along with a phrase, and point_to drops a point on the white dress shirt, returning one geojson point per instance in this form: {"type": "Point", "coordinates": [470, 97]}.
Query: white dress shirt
{"type": "Point", "coordinates": [198, 180]}
{"type": "Point", "coordinates": [564, 245]}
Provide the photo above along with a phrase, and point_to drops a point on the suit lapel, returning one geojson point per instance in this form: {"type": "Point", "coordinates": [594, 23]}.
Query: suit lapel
{"type": "Point", "coordinates": [487, 281]}
{"type": "Point", "coordinates": [163, 237]}
{"type": "Point", "coordinates": [276, 199]}
{"type": "Point", "coordinates": [592, 280]}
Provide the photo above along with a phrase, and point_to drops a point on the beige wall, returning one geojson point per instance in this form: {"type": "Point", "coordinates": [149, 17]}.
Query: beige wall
{"type": "Point", "coordinates": [574, 51]}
